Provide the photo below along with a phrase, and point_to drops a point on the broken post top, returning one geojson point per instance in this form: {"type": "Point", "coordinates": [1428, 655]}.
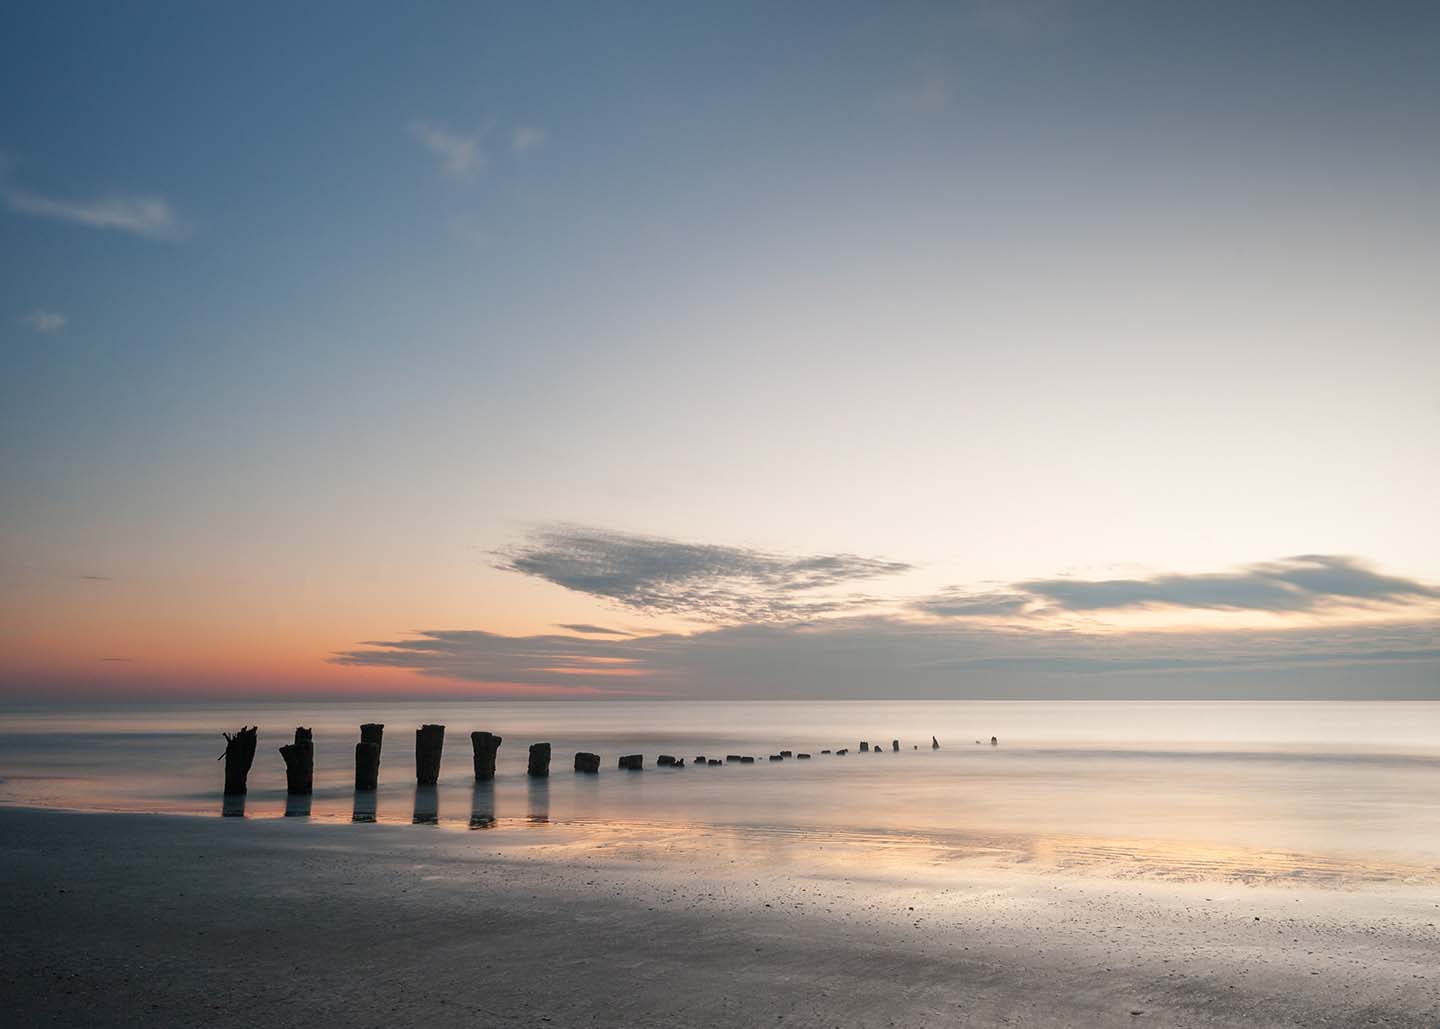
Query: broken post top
{"type": "Point", "coordinates": [303, 735]}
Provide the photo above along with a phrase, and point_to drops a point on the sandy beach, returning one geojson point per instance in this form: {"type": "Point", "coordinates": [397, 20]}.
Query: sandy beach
{"type": "Point", "coordinates": [170, 920]}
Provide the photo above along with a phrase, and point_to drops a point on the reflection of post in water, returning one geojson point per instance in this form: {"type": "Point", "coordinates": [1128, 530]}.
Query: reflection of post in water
{"type": "Point", "coordinates": [540, 800]}
{"type": "Point", "coordinates": [232, 805]}
{"type": "Point", "coordinates": [297, 805]}
{"type": "Point", "coordinates": [427, 806]}
{"type": "Point", "coordinates": [482, 805]}
{"type": "Point", "coordinates": [365, 806]}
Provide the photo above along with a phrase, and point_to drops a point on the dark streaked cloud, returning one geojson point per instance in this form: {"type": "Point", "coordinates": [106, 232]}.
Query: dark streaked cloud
{"type": "Point", "coordinates": [957, 603]}
{"type": "Point", "coordinates": [885, 657]}
{"type": "Point", "coordinates": [698, 581]}
{"type": "Point", "coordinates": [1302, 583]}
{"type": "Point", "coordinates": [590, 630]}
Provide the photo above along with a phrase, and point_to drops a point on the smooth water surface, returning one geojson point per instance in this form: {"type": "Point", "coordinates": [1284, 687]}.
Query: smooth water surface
{"type": "Point", "coordinates": [1358, 782]}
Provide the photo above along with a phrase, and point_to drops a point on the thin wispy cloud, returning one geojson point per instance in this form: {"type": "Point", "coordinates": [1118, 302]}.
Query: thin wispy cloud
{"type": "Point", "coordinates": [693, 580]}
{"type": "Point", "coordinates": [888, 657]}
{"type": "Point", "coordinates": [46, 323]}
{"type": "Point", "coordinates": [591, 630]}
{"type": "Point", "coordinates": [1304, 583]}
{"type": "Point", "coordinates": [460, 155]}
{"type": "Point", "coordinates": [528, 137]}
{"type": "Point", "coordinates": [149, 217]}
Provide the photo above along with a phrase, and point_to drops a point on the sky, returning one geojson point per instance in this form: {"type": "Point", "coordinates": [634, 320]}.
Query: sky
{"type": "Point", "coordinates": [977, 349]}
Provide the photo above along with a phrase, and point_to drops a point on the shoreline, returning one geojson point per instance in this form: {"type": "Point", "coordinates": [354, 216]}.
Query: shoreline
{"type": "Point", "coordinates": [178, 919]}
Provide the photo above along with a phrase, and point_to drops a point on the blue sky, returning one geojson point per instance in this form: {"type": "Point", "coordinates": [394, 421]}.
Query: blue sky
{"type": "Point", "coordinates": [306, 313]}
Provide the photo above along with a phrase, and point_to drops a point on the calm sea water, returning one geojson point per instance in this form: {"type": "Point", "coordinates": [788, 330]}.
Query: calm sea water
{"type": "Point", "coordinates": [1356, 782]}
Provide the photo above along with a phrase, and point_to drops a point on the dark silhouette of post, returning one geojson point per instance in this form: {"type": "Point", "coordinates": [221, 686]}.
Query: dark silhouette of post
{"type": "Point", "coordinates": [994, 742]}
{"type": "Point", "coordinates": [539, 766]}
{"type": "Point", "coordinates": [485, 744]}
{"type": "Point", "coordinates": [373, 732]}
{"type": "Point", "coordinates": [367, 765]}
{"type": "Point", "coordinates": [587, 763]}
{"type": "Point", "coordinates": [299, 762]}
{"type": "Point", "coordinates": [429, 742]}
{"type": "Point", "coordinates": [632, 762]}
{"type": "Point", "coordinates": [895, 746]}
{"type": "Point", "coordinates": [864, 747]}
{"type": "Point", "coordinates": [934, 743]}
{"type": "Point", "coordinates": [239, 756]}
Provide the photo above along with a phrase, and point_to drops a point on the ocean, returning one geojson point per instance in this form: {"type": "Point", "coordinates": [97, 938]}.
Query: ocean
{"type": "Point", "coordinates": [1300, 790]}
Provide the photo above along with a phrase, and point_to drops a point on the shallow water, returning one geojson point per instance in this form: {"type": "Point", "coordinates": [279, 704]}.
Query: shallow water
{"type": "Point", "coordinates": [1315, 790]}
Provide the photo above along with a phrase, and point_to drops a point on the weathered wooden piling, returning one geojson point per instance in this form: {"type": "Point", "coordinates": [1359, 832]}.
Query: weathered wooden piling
{"type": "Point", "coordinates": [539, 766]}
{"type": "Point", "coordinates": [994, 742]}
{"type": "Point", "coordinates": [367, 765]}
{"type": "Point", "coordinates": [587, 763]}
{"type": "Point", "coordinates": [747, 760]}
{"type": "Point", "coordinates": [802, 757]}
{"type": "Point", "coordinates": [733, 759]}
{"type": "Point", "coordinates": [714, 761]}
{"type": "Point", "coordinates": [373, 732]}
{"type": "Point", "coordinates": [485, 744]}
{"type": "Point", "coordinates": [429, 744]}
{"type": "Point", "coordinates": [864, 747]}
{"type": "Point", "coordinates": [632, 762]}
{"type": "Point", "coordinates": [895, 746]}
{"type": "Point", "coordinates": [934, 743]}
{"type": "Point", "coordinates": [824, 752]}
{"type": "Point", "coordinates": [239, 756]}
{"type": "Point", "coordinates": [787, 753]}
{"type": "Point", "coordinates": [299, 762]}
{"type": "Point", "coordinates": [698, 760]}
{"type": "Point", "coordinates": [842, 751]}
{"type": "Point", "coordinates": [777, 757]}
{"type": "Point", "coordinates": [665, 761]}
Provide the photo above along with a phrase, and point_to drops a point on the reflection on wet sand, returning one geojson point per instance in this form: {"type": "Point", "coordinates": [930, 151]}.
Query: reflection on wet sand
{"type": "Point", "coordinates": [365, 806]}
{"type": "Point", "coordinates": [427, 806]}
{"type": "Point", "coordinates": [539, 791]}
{"type": "Point", "coordinates": [297, 805]}
{"type": "Point", "coordinates": [232, 805]}
{"type": "Point", "coordinates": [482, 806]}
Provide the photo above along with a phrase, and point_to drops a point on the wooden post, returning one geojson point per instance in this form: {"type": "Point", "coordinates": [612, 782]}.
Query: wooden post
{"type": "Point", "coordinates": [239, 756]}
{"type": "Point", "coordinates": [934, 743]}
{"type": "Point", "coordinates": [373, 732]}
{"type": "Point", "coordinates": [367, 765]}
{"type": "Point", "coordinates": [484, 744]}
{"type": "Point", "coordinates": [895, 746]}
{"type": "Point", "coordinates": [632, 762]}
{"type": "Point", "coordinates": [539, 766]}
{"type": "Point", "coordinates": [429, 742]}
{"type": "Point", "coordinates": [299, 762]}
{"type": "Point", "coordinates": [587, 763]}
{"type": "Point", "coordinates": [864, 747]}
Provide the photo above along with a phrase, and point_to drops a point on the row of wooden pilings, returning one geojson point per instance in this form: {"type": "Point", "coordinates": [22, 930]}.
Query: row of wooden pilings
{"type": "Point", "coordinates": [430, 742]}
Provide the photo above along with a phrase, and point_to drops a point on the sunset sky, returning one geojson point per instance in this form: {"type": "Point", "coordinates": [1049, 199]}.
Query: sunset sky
{"type": "Point", "coordinates": [969, 349]}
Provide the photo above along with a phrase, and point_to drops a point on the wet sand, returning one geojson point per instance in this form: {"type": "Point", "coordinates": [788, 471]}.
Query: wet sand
{"type": "Point", "coordinates": [167, 920]}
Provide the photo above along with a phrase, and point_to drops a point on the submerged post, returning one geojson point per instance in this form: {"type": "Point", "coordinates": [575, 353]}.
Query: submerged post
{"type": "Point", "coordinates": [373, 732]}
{"type": "Point", "coordinates": [485, 744]}
{"type": "Point", "coordinates": [864, 747]}
{"type": "Point", "coordinates": [632, 762]}
{"type": "Point", "coordinates": [299, 762]}
{"type": "Point", "coordinates": [429, 742]}
{"type": "Point", "coordinates": [367, 765]}
{"type": "Point", "coordinates": [539, 760]}
{"type": "Point", "coordinates": [587, 763]}
{"type": "Point", "coordinates": [239, 756]}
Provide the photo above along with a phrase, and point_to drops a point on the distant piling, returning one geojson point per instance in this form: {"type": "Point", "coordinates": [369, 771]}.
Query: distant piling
{"type": "Point", "coordinates": [895, 746]}
{"type": "Point", "coordinates": [632, 762]}
{"type": "Point", "coordinates": [299, 762]}
{"type": "Point", "coordinates": [587, 763]}
{"type": "Point", "coordinates": [713, 762]}
{"type": "Point", "coordinates": [802, 757]}
{"type": "Point", "coordinates": [373, 732]}
{"type": "Point", "coordinates": [842, 752]}
{"type": "Point", "coordinates": [239, 756]}
{"type": "Point", "coordinates": [864, 747]}
{"type": "Point", "coordinates": [429, 743]}
{"type": "Point", "coordinates": [485, 745]}
{"type": "Point", "coordinates": [732, 759]}
{"type": "Point", "coordinates": [539, 766]}
{"type": "Point", "coordinates": [669, 761]}
{"type": "Point", "coordinates": [934, 743]}
{"type": "Point", "coordinates": [994, 742]}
